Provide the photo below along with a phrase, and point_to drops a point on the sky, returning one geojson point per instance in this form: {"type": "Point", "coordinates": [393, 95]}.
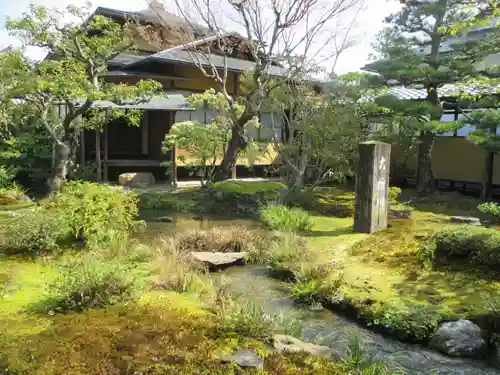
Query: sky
{"type": "Point", "coordinates": [369, 22]}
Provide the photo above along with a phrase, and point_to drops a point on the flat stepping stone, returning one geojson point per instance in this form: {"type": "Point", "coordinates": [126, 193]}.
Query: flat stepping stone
{"type": "Point", "coordinates": [466, 220]}
{"type": "Point", "coordinates": [219, 259]}
{"type": "Point", "coordinates": [245, 358]}
{"type": "Point", "coordinates": [286, 343]}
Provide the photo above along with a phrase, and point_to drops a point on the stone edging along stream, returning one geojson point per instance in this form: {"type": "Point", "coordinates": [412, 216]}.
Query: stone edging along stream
{"type": "Point", "coordinates": [461, 338]}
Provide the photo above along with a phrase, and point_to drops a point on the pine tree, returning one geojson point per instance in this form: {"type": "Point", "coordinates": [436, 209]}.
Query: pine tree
{"type": "Point", "coordinates": [419, 49]}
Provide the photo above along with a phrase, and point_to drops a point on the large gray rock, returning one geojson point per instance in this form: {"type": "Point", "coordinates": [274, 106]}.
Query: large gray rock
{"type": "Point", "coordinates": [459, 339]}
{"type": "Point", "coordinates": [286, 343]}
{"type": "Point", "coordinates": [466, 220]}
{"type": "Point", "coordinates": [217, 260]}
{"type": "Point", "coordinates": [136, 179]}
{"type": "Point", "coordinates": [245, 358]}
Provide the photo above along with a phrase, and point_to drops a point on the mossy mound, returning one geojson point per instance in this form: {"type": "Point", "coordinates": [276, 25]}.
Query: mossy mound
{"type": "Point", "coordinates": [332, 201]}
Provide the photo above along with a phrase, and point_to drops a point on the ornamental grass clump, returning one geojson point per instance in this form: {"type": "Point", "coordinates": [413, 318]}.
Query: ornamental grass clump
{"type": "Point", "coordinates": [285, 219]}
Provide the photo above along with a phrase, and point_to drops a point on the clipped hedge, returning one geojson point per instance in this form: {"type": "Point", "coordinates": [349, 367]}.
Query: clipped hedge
{"type": "Point", "coordinates": [478, 245]}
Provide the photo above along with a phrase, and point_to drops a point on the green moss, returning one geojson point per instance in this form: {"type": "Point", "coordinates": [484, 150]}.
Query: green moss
{"type": "Point", "coordinates": [384, 279]}
{"type": "Point", "coordinates": [333, 201]}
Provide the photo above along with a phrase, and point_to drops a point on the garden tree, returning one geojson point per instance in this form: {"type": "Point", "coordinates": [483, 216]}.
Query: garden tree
{"type": "Point", "coordinates": [205, 144]}
{"type": "Point", "coordinates": [294, 34]}
{"type": "Point", "coordinates": [320, 132]}
{"type": "Point", "coordinates": [486, 122]}
{"type": "Point", "coordinates": [487, 119]}
{"type": "Point", "coordinates": [71, 76]}
{"type": "Point", "coordinates": [411, 53]}
{"type": "Point", "coordinates": [25, 148]}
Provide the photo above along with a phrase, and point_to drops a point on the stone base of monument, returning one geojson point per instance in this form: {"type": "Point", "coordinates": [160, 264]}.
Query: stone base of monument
{"type": "Point", "coordinates": [400, 213]}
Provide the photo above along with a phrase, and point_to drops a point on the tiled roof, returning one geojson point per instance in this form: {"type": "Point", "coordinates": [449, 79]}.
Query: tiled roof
{"type": "Point", "coordinates": [185, 57]}
{"type": "Point", "coordinates": [173, 100]}
{"type": "Point", "coordinates": [448, 90]}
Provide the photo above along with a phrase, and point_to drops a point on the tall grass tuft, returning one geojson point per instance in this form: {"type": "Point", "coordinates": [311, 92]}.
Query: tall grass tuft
{"type": "Point", "coordinates": [231, 239]}
{"type": "Point", "coordinates": [317, 284]}
{"type": "Point", "coordinates": [174, 270]}
{"type": "Point", "coordinates": [285, 219]}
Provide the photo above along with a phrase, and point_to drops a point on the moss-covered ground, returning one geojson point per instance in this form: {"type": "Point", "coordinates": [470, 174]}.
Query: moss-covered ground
{"type": "Point", "coordinates": [384, 278]}
{"type": "Point", "coordinates": [161, 332]}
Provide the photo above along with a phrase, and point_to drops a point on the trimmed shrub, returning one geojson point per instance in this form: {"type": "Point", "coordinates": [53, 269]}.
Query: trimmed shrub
{"type": "Point", "coordinates": [491, 209]}
{"type": "Point", "coordinates": [286, 219]}
{"type": "Point", "coordinates": [479, 245]}
{"type": "Point", "coordinates": [99, 214]}
{"type": "Point", "coordinates": [89, 284]}
{"type": "Point", "coordinates": [31, 232]}
{"type": "Point", "coordinates": [393, 194]}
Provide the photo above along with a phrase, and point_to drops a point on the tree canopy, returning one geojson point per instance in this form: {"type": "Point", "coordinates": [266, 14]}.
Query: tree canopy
{"type": "Point", "coordinates": [426, 46]}
{"type": "Point", "coordinates": [79, 49]}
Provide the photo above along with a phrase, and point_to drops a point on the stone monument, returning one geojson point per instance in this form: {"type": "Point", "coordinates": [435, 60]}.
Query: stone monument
{"type": "Point", "coordinates": [372, 185]}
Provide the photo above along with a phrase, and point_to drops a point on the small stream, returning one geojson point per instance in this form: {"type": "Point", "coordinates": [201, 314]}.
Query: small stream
{"type": "Point", "coordinates": [319, 326]}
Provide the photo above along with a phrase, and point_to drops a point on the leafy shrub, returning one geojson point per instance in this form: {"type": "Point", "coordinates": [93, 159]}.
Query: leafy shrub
{"type": "Point", "coordinates": [286, 219]}
{"type": "Point", "coordinates": [7, 175]}
{"type": "Point", "coordinates": [31, 232]}
{"type": "Point", "coordinates": [393, 194]}
{"type": "Point", "coordinates": [89, 284]}
{"type": "Point", "coordinates": [480, 245]}
{"type": "Point", "coordinates": [490, 209]}
{"type": "Point", "coordinates": [230, 239]}
{"type": "Point", "coordinates": [416, 322]}
{"type": "Point", "coordinates": [99, 214]}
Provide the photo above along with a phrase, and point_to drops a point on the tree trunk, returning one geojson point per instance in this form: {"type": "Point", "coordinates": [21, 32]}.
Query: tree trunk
{"type": "Point", "coordinates": [62, 155]}
{"type": "Point", "coordinates": [488, 176]}
{"type": "Point", "coordinates": [425, 177]}
{"type": "Point", "coordinates": [235, 145]}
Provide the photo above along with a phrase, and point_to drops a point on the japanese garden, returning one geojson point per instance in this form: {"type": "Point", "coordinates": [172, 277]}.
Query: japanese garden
{"type": "Point", "coordinates": [178, 198]}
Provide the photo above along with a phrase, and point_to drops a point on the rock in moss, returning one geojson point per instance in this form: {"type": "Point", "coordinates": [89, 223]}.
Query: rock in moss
{"type": "Point", "coordinates": [219, 259]}
{"type": "Point", "coordinates": [459, 339]}
{"type": "Point", "coordinates": [166, 219]}
{"type": "Point", "coordinates": [245, 358]}
{"type": "Point", "coordinates": [286, 343]}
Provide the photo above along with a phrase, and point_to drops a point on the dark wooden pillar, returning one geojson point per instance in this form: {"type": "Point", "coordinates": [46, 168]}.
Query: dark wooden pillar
{"type": "Point", "coordinates": [98, 154]}
{"type": "Point", "coordinates": [488, 175]}
{"type": "Point", "coordinates": [106, 152]}
{"type": "Point", "coordinates": [144, 134]}
{"type": "Point", "coordinates": [82, 147]}
{"type": "Point", "coordinates": [372, 185]}
{"type": "Point", "coordinates": [173, 155]}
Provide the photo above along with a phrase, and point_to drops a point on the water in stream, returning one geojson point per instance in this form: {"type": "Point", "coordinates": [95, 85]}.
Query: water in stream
{"type": "Point", "coordinates": [323, 326]}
